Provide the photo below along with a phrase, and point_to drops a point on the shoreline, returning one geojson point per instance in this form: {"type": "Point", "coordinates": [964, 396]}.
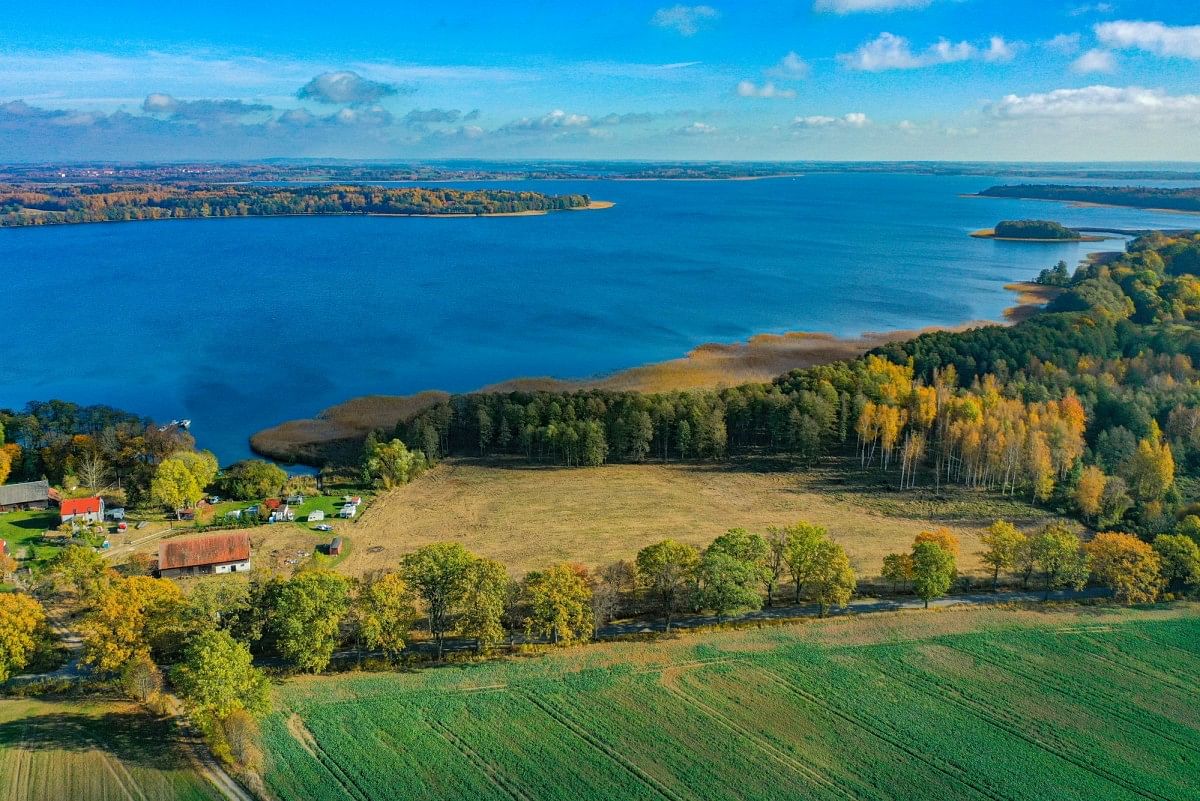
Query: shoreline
{"type": "Point", "coordinates": [336, 432]}
{"type": "Point", "coordinates": [1080, 204]}
{"type": "Point", "coordinates": [990, 233]}
{"type": "Point", "coordinates": [594, 205]}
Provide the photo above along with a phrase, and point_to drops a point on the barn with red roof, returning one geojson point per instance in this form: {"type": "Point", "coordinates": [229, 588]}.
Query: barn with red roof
{"type": "Point", "coordinates": [197, 556]}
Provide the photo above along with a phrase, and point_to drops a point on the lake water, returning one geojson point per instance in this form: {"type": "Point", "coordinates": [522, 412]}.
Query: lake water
{"type": "Point", "coordinates": [242, 323]}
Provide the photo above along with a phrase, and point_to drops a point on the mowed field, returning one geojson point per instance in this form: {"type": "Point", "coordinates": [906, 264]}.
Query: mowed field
{"type": "Point", "coordinates": [1077, 705]}
{"type": "Point", "coordinates": [528, 517]}
{"type": "Point", "coordinates": [92, 751]}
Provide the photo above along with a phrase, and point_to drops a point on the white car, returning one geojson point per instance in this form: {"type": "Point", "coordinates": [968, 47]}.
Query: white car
{"type": "Point", "coordinates": [324, 527]}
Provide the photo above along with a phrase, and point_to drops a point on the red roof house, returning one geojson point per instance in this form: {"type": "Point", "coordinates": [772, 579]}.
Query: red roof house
{"type": "Point", "coordinates": [216, 553]}
{"type": "Point", "coordinates": [82, 509]}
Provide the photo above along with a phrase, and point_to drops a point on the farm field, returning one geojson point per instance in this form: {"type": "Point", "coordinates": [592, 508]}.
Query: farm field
{"type": "Point", "coordinates": [92, 751]}
{"type": "Point", "coordinates": [1074, 704]}
{"type": "Point", "coordinates": [530, 517]}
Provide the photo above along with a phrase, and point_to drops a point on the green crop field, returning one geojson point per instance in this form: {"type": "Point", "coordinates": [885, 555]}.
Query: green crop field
{"type": "Point", "coordinates": [92, 751]}
{"type": "Point", "coordinates": [1000, 706]}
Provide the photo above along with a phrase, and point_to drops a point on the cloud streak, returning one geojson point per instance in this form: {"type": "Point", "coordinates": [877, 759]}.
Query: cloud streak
{"type": "Point", "coordinates": [684, 20]}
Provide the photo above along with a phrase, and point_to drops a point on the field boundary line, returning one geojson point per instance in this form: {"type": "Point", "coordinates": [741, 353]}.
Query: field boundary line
{"type": "Point", "coordinates": [108, 760]}
{"type": "Point", "coordinates": [877, 729]}
{"type": "Point", "coordinates": [22, 755]}
{"type": "Point", "coordinates": [1044, 678]}
{"type": "Point", "coordinates": [589, 738]}
{"type": "Point", "coordinates": [994, 718]}
{"type": "Point", "coordinates": [492, 773]}
{"type": "Point", "coordinates": [347, 782]}
{"type": "Point", "coordinates": [767, 747]}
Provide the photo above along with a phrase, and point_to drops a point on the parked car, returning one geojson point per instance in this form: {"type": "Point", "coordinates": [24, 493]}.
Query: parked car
{"type": "Point", "coordinates": [323, 527]}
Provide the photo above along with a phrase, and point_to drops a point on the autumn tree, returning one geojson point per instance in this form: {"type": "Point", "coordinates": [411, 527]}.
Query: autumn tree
{"type": "Point", "coordinates": [174, 485]}
{"type": "Point", "coordinates": [941, 536]}
{"type": "Point", "coordinates": [452, 582]}
{"type": "Point", "coordinates": [1003, 543]}
{"type": "Point", "coordinates": [831, 582]}
{"type": "Point", "coordinates": [133, 618]}
{"type": "Point", "coordinates": [384, 613]}
{"type": "Point", "coordinates": [1058, 554]}
{"type": "Point", "coordinates": [665, 572]}
{"type": "Point", "coordinates": [559, 603]}
{"type": "Point", "coordinates": [307, 618]}
{"type": "Point", "coordinates": [1180, 557]}
{"type": "Point", "coordinates": [803, 543]}
{"type": "Point", "coordinates": [609, 585]}
{"type": "Point", "coordinates": [77, 571]}
{"type": "Point", "coordinates": [392, 464]}
{"type": "Point", "coordinates": [1089, 492]}
{"type": "Point", "coordinates": [486, 603]}
{"type": "Point", "coordinates": [22, 631]}
{"type": "Point", "coordinates": [141, 679]}
{"type": "Point", "coordinates": [933, 570]}
{"type": "Point", "coordinates": [1151, 470]}
{"type": "Point", "coordinates": [1127, 566]}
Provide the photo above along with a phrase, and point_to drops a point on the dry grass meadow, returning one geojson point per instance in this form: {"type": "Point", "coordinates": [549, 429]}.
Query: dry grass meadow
{"type": "Point", "coordinates": [530, 517]}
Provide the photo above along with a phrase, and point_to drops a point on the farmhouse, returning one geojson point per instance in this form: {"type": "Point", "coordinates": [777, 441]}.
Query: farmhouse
{"type": "Point", "coordinates": [83, 510]}
{"type": "Point", "coordinates": [29, 495]}
{"type": "Point", "coordinates": [216, 553]}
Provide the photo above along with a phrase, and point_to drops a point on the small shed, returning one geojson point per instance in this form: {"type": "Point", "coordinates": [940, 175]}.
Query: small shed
{"type": "Point", "coordinates": [335, 547]}
{"type": "Point", "coordinates": [315, 515]}
{"type": "Point", "coordinates": [28, 495]}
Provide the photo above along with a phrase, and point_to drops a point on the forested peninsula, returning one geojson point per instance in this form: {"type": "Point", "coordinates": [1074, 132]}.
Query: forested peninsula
{"type": "Point", "coordinates": [24, 205]}
{"type": "Point", "coordinates": [1141, 197]}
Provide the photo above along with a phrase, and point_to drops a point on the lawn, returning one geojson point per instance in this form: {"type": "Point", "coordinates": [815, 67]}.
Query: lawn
{"type": "Point", "coordinates": [23, 530]}
{"type": "Point", "coordinates": [528, 517]}
{"type": "Point", "coordinates": [1071, 704]}
{"type": "Point", "coordinates": [92, 750]}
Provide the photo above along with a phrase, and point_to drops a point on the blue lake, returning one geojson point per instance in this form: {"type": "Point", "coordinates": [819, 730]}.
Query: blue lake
{"type": "Point", "coordinates": [242, 323]}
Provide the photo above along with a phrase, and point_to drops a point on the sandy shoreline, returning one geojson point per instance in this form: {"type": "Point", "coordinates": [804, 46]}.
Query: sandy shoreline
{"type": "Point", "coordinates": [336, 431]}
{"type": "Point", "coordinates": [1080, 204]}
{"type": "Point", "coordinates": [990, 233]}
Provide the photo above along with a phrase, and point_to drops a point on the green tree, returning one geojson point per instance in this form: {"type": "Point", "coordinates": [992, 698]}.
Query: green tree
{"type": "Point", "coordinates": [831, 581]}
{"type": "Point", "coordinates": [1058, 554]}
{"type": "Point", "coordinates": [728, 584]}
{"type": "Point", "coordinates": [1003, 543]}
{"type": "Point", "coordinates": [666, 572]}
{"type": "Point", "coordinates": [217, 678]}
{"type": "Point", "coordinates": [484, 603]}
{"type": "Point", "coordinates": [1180, 556]}
{"type": "Point", "coordinates": [392, 464]}
{"type": "Point", "coordinates": [1127, 566]}
{"type": "Point", "coordinates": [77, 571]}
{"type": "Point", "coordinates": [559, 603]}
{"type": "Point", "coordinates": [441, 575]}
{"type": "Point", "coordinates": [384, 613]}
{"type": "Point", "coordinates": [252, 479]}
{"type": "Point", "coordinates": [933, 570]}
{"type": "Point", "coordinates": [307, 618]}
{"type": "Point", "coordinates": [201, 464]}
{"type": "Point", "coordinates": [897, 568]}
{"type": "Point", "coordinates": [141, 679]}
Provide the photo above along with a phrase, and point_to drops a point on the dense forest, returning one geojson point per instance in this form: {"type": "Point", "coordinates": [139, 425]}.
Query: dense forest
{"type": "Point", "coordinates": [1033, 229]}
{"type": "Point", "coordinates": [41, 205]}
{"type": "Point", "coordinates": [1093, 405]}
{"type": "Point", "coordinates": [1142, 197]}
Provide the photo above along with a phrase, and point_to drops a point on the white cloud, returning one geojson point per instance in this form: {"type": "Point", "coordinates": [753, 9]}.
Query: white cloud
{"type": "Point", "coordinates": [684, 20]}
{"type": "Point", "coordinates": [1100, 100]}
{"type": "Point", "coordinates": [556, 119]}
{"type": "Point", "coordinates": [854, 6]}
{"type": "Point", "coordinates": [1094, 61]}
{"type": "Point", "coordinates": [790, 67]}
{"type": "Point", "coordinates": [890, 52]}
{"type": "Point", "coordinates": [1182, 41]}
{"type": "Point", "coordinates": [1092, 8]}
{"type": "Point", "coordinates": [999, 50]}
{"type": "Point", "coordinates": [855, 119]}
{"type": "Point", "coordinates": [1065, 43]}
{"type": "Point", "coordinates": [767, 90]}
{"type": "Point", "coordinates": [696, 129]}
{"type": "Point", "coordinates": [348, 88]}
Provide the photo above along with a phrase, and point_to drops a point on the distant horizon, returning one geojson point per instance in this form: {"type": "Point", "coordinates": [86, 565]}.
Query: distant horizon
{"type": "Point", "coordinates": [640, 80]}
{"type": "Point", "coordinates": [389, 161]}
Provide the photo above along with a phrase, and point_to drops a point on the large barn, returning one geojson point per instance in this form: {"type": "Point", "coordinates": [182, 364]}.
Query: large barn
{"type": "Point", "coordinates": [27, 495]}
{"type": "Point", "coordinates": [216, 553]}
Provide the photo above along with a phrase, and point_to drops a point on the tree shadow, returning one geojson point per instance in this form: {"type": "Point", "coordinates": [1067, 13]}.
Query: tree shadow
{"type": "Point", "coordinates": [134, 738]}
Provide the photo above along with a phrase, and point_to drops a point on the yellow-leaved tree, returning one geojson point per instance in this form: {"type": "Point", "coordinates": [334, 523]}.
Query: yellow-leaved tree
{"type": "Point", "coordinates": [22, 631]}
{"type": "Point", "coordinates": [1127, 566]}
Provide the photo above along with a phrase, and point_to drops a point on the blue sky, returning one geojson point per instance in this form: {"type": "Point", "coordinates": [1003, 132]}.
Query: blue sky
{"type": "Point", "coordinates": [805, 79]}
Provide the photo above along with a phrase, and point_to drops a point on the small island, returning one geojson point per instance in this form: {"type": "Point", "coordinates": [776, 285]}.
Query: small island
{"type": "Point", "coordinates": [26, 205]}
{"type": "Point", "coordinates": [1033, 231]}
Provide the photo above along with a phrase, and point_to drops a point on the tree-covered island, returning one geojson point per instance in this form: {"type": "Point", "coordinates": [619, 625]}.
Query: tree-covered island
{"type": "Point", "coordinates": [22, 205]}
{"type": "Point", "coordinates": [1141, 197]}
